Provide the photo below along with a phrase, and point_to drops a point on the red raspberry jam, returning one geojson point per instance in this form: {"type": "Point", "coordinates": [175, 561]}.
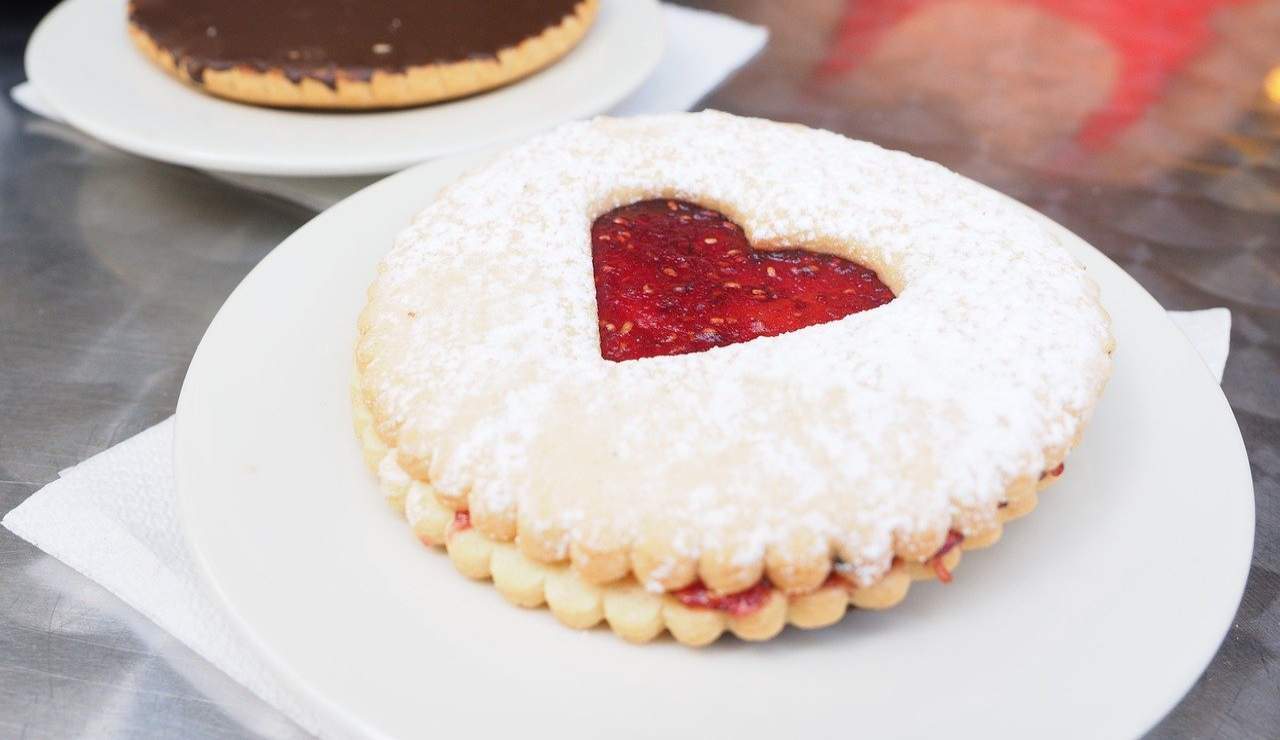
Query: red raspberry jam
{"type": "Point", "coordinates": [834, 578]}
{"type": "Point", "coordinates": [1055, 472]}
{"type": "Point", "coordinates": [461, 521]}
{"type": "Point", "coordinates": [673, 277]}
{"type": "Point", "coordinates": [954, 538]}
{"type": "Point", "coordinates": [740, 604]}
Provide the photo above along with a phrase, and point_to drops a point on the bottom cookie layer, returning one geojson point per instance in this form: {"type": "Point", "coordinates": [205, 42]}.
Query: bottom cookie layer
{"type": "Point", "coordinates": [632, 612]}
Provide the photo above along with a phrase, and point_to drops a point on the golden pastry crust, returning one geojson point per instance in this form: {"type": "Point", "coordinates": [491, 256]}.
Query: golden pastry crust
{"type": "Point", "coordinates": [416, 85]}
{"type": "Point", "coordinates": [634, 613]}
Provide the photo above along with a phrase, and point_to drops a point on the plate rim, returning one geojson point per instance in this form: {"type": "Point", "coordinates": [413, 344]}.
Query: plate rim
{"type": "Point", "coordinates": [118, 138]}
{"type": "Point", "coordinates": [350, 723]}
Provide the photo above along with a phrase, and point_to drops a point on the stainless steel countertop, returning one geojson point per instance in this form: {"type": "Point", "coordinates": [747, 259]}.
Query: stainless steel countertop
{"type": "Point", "coordinates": [111, 267]}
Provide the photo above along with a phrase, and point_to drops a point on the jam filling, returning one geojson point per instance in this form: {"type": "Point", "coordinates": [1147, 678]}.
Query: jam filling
{"type": "Point", "coordinates": [673, 277]}
{"type": "Point", "coordinates": [740, 604]}
{"type": "Point", "coordinates": [1052, 473]}
{"type": "Point", "coordinates": [1055, 472]}
{"type": "Point", "coordinates": [954, 538]}
{"type": "Point", "coordinates": [696, 595]}
{"type": "Point", "coordinates": [461, 521]}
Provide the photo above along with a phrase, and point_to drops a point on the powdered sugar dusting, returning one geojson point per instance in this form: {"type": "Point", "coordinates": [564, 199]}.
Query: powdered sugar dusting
{"type": "Point", "coordinates": [482, 353]}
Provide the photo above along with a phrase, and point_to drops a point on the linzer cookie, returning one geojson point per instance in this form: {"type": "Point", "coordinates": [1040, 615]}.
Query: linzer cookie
{"type": "Point", "coordinates": [700, 373]}
{"type": "Point", "coordinates": [348, 54]}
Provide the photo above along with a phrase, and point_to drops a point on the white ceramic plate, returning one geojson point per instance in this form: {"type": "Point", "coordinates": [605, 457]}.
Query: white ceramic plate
{"type": "Point", "coordinates": [1090, 619]}
{"type": "Point", "coordinates": [81, 60]}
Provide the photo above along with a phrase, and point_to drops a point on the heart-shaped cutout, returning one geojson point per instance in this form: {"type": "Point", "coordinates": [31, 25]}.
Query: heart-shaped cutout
{"type": "Point", "coordinates": [673, 277]}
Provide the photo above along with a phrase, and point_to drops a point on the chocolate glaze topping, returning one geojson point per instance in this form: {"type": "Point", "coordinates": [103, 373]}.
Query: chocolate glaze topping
{"type": "Point", "coordinates": [325, 39]}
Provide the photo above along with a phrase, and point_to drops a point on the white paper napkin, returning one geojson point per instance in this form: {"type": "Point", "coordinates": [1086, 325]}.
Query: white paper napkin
{"type": "Point", "coordinates": [114, 518]}
{"type": "Point", "coordinates": [1210, 333]}
{"type": "Point", "coordinates": [703, 50]}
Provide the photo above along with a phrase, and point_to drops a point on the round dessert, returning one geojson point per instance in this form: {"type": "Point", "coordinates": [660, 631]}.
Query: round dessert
{"type": "Point", "coordinates": [700, 372]}
{"type": "Point", "coordinates": [346, 54]}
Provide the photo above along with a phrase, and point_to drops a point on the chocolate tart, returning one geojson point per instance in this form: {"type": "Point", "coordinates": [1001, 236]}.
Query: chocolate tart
{"type": "Point", "coordinates": [355, 55]}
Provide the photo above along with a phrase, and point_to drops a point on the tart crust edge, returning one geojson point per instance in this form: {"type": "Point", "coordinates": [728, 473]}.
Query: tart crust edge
{"type": "Point", "coordinates": [415, 85]}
